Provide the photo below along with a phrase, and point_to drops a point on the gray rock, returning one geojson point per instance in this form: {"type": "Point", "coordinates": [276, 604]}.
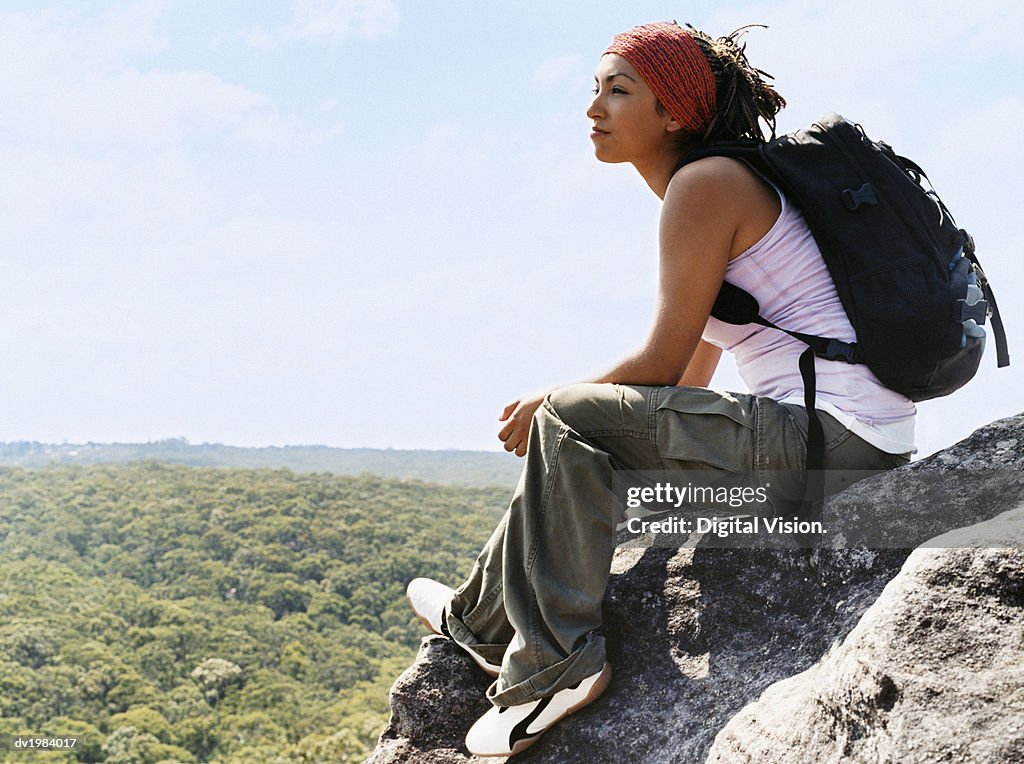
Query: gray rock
{"type": "Point", "coordinates": [432, 705]}
{"type": "Point", "coordinates": [934, 670]}
{"type": "Point", "coordinates": [696, 637]}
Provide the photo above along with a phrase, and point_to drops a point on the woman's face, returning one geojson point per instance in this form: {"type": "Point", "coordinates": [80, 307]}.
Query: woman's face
{"type": "Point", "coordinates": [626, 124]}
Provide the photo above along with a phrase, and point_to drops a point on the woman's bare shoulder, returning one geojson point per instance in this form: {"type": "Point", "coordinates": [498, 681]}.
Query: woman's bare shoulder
{"type": "Point", "coordinates": [717, 171]}
{"type": "Point", "coordinates": [718, 186]}
{"type": "Point", "coordinates": [726, 189]}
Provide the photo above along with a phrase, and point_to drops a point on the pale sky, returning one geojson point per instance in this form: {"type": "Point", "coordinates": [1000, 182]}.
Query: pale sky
{"type": "Point", "coordinates": [376, 222]}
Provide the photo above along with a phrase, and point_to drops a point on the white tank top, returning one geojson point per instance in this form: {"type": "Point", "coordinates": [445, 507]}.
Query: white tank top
{"type": "Point", "coordinates": [785, 272]}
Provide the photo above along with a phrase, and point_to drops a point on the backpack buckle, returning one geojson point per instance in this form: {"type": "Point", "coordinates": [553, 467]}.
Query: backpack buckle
{"type": "Point", "coordinates": [855, 199]}
{"type": "Point", "coordinates": [978, 311]}
{"type": "Point", "coordinates": [840, 351]}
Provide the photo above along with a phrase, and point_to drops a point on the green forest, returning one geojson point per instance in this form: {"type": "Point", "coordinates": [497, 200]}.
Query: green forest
{"type": "Point", "coordinates": [165, 613]}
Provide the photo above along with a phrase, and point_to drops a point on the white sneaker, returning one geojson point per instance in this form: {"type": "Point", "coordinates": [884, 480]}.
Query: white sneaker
{"type": "Point", "coordinates": [429, 600]}
{"type": "Point", "coordinates": [507, 730]}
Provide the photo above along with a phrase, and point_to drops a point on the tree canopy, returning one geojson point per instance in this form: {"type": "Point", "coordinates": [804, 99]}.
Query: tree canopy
{"type": "Point", "coordinates": [166, 613]}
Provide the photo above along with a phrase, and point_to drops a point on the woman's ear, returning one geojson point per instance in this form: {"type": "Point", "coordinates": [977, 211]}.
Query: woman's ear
{"type": "Point", "coordinates": [672, 126]}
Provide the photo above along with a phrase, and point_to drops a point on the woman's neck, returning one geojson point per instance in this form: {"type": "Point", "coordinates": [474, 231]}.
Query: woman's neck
{"type": "Point", "coordinates": [658, 170]}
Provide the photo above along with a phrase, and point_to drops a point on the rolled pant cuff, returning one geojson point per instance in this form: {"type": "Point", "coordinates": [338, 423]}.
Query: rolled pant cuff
{"type": "Point", "coordinates": [492, 653]}
{"type": "Point", "coordinates": [582, 663]}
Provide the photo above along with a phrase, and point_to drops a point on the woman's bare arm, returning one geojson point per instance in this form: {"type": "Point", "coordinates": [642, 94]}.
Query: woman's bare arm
{"type": "Point", "coordinates": [699, 219]}
{"type": "Point", "coordinates": [702, 366]}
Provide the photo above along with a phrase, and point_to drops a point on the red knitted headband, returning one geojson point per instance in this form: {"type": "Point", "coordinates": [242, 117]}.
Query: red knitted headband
{"type": "Point", "coordinates": [674, 67]}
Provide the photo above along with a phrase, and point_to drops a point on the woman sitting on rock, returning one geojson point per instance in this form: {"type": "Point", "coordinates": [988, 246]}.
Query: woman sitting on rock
{"type": "Point", "coordinates": [530, 613]}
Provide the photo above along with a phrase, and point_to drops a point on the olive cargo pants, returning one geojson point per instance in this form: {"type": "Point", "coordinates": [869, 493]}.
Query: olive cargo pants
{"type": "Point", "coordinates": [533, 599]}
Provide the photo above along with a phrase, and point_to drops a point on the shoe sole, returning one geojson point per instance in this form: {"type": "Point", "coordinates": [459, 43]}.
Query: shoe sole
{"type": "Point", "coordinates": [596, 691]}
{"type": "Point", "coordinates": [484, 665]}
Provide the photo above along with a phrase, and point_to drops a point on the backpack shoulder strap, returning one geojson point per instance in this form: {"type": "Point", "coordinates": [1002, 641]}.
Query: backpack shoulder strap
{"type": "Point", "coordinates": [737, 306]}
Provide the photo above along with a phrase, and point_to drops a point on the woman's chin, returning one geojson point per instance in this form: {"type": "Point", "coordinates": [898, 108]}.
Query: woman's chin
{"type": "Point", "coordinates": [606, 156]}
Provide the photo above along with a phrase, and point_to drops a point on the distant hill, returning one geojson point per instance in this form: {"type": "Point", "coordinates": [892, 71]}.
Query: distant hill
{"type": "Point", "coordinates": [460, 468]}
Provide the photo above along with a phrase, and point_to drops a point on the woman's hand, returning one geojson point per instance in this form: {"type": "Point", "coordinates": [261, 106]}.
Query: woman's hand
{"type": "Point", "coordinates": [518, 417]}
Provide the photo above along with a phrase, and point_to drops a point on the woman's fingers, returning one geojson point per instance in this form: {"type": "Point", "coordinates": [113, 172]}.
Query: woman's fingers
{"type": "Point", "coordinates": [514, 435]}
{"type": "Point", "coordinates": [518, 416]}
{"type": "Point", "coordinates": [506, 432]}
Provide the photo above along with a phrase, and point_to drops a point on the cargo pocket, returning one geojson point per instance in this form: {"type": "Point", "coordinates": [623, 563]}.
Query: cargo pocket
{"type": "Point", "coordinates": [706, 428]}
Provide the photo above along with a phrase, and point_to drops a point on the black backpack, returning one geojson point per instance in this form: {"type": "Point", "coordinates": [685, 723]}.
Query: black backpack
{"type": "Point", "coordinates": [906, 274]}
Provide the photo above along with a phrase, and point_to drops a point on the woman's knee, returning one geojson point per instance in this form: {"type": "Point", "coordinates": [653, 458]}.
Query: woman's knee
{"type": "Point", "coordinates": [590, 407]}
{"type": "Point", "coordinates": [584, 406]}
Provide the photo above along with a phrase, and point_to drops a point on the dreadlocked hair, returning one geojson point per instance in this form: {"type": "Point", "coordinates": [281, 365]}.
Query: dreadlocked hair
{"type": "Point", "coordinates": [742, 94]}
